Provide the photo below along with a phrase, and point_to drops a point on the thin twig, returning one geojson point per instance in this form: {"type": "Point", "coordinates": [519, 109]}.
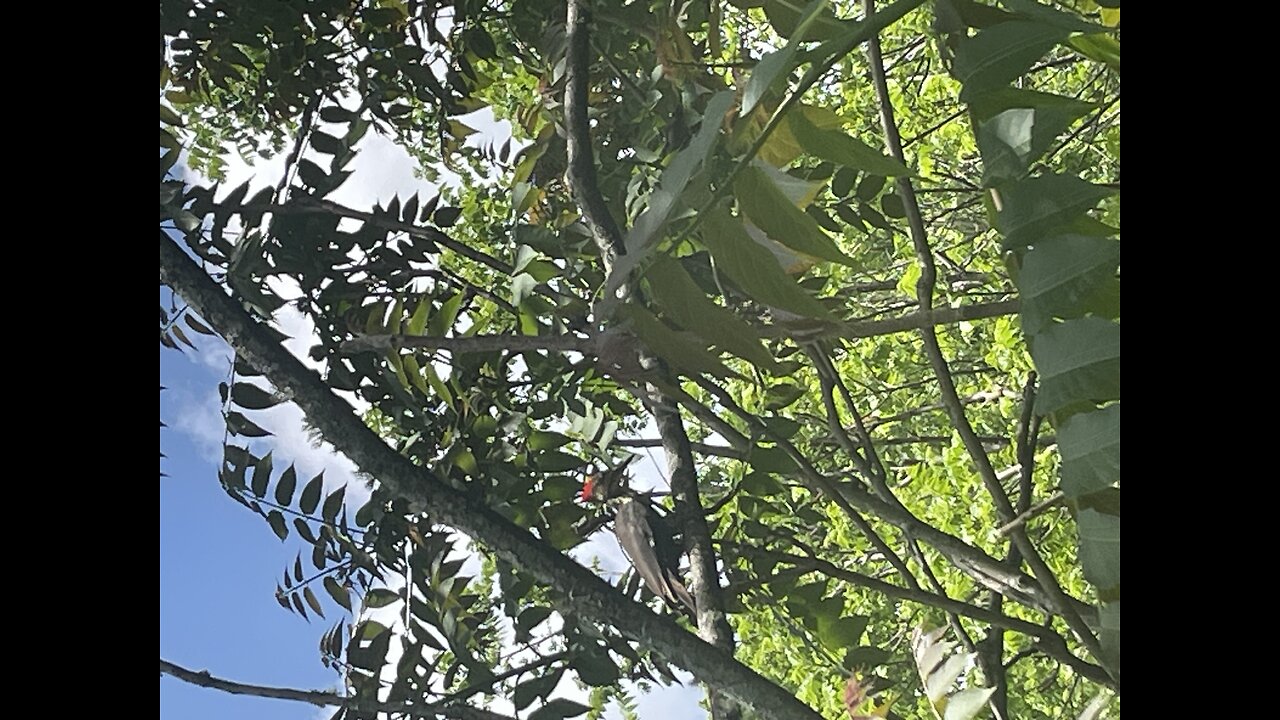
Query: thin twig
{"type": "Point", "coordinates": [324, 698]}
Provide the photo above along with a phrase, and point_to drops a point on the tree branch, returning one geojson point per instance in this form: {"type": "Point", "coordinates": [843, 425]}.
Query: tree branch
{"type": "Point", "coordinates": [324, 698]}
{"type": "Point", "coordinates": [473, 344]}
{"type": "Point", "coordinates": [713, 623]}
{"type": "Point", "coordinates": [578, 591]}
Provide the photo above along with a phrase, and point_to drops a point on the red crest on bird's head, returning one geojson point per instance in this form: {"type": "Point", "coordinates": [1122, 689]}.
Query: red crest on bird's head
{"type": "Point", "coordinates": [589, 486]}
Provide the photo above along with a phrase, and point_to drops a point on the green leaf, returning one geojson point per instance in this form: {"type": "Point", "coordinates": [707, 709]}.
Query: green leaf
{"type": "Point", "coordinates": [442, 321]}
{"type": "Point", "coordinates": [1060, 275]}
{"type": "Point", "coordinates": [1040, 12]}
{"type": "Point", "coordinates": [769, 209]}
{"type": "Point", "coordinates": [531, 618]}
{"type": "Point", "coordinates": [1079, 361]}
{"type": "Point", "coordinates": [276, 520]}
{"type": "Point", "coordinates": [558, 708]}
{"type": "Point", "coordinates": [445, 217]}
{"type": "Point", "coordinates": [312, 602]}
{"type": "Point", "coordinates": [546, 440]}
{"type": "Point", "coordinates": [783, 394]}
{"type": "Point", "coordinates": [999, 54]}
{"type": "Point", "coordinates": [1035, 207]}
{"type": "Point", "coordinates": [841, 633]}
{"type": "Point", "coordinates": [684, 302]}
{"type": "Point", "coordinates": [312, 175]}
{"type": "Point", "coordinates": [554, 461]}
{"type": "Point", "coordinates": [679, 349]}
{"type": "Point", "coordinates": [843, 181]}
{"type": "Point", "coordinates": [772, 460]}
{"type": "Point", "coordinates": [311, 494]}
{"type": "Point", "coordinates": [1099, 547]}
{"type": "Point", "coordinates": [238, 424]}
{"type": "Point", "coordinates": [1109, 635]}
{"type": "Point", "coordinates": [252, 397]}
{"type": "Point", "coordinates": [418, 321]}
{"type": "Point", "coordinates": [841, 148]}
{"type": "Point", "coordinates": [786, 15]}
{"type": "Point", "coordinates": [1102, 47]}
{"type": "Point", "coordinates": [596, 668]}
{"type": "Point", "coordinates": [755, 269]}
{"type": "Point", "coordinates": [337, 592]}
{"type": "Point", "coordinates": [534, 688]}
{"type": "Point", "coordinates": [675, 178]}
{"type": "Point", "coordinates": [284, 488]}
{"type": "Point", "coordinates": [380, 597]}
{"type": "Point", "coordinates": [327, 144]}
{"type": "Point", "coordinates": [261, 476]}
{"type": "Point", "coordinates": [866, 657]}
{"type": "Point", "coordinates": [333, 504]}
{"type": "Point", "coordinates": [779, 63]}
{"type": "Point", "coordinates": [1090, 447]}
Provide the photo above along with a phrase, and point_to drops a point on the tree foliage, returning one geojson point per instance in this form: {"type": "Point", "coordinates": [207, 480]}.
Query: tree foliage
{"type": "Point", "coordinates": [855, 269]}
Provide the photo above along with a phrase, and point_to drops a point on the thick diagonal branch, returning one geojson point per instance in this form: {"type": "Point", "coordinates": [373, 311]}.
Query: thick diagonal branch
{"type": "Point", "coordinates": [579, 592]}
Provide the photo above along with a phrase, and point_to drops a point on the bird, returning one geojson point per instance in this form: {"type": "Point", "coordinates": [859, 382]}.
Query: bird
{"type": "Point", "coordinates": [645, 535]}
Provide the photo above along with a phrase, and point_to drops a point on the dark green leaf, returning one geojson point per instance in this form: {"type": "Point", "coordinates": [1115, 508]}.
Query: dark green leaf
{"type": "Point", "coordinates": [841, 148]}
{"type": "Point", "coordinates": [755, 269]}
{"type": "Point", "coordinates": [1090, 447]}
{"type": "Point", "coordinates": [841, 633]}
{"type": "Point", "coordinates": [1099, 547]}
{"type": "Point", "coordinates": [596, 668]}
{"type": "Point", "coordinates": [311, 494]}
{"type": "Point", "coordinates": [312, 602]}
{"type": "Point", "coordinates": [312, 175]}
{"type": "Point", "coordinates": [546, 440]}
{"type": "Point", "coordinates": [769, 209]}
{"type": "Point", "coordinates": [675, 178]}
{"type": "Point", "coordinates": [1034, 207]}
{"type": "Point", "coordinates": [534, 688]}
{"type": "Point", "coordinates": [772, 460]}
{"type": "Point", "coordinates": [380, 597]}
{"type": "Point", "coordinates": [1061, 274]}
{"type": "Point", "coordinates": [252, 397]}
{"type": "Point", "coordinates": [553, 461]}
{"type": "Point", "coordinates": [197, 325]}
{"type": "Point", "coordinates": [1034, 10]}
{"type": "Point", "coordinates": [261, 476]}
{"type": "Point", "coordinates": [1099, 46]}
{"type": "Point", "coordinates": [785, 15]}
{"type": "Point", "coordinates": [1079, 361]}
{"type": "Point", "coordinates": [558, 708]}
{"type": "Point", "coordinates": [870, 186]}
{"type": "Point", "coordinates": [779, 63]}
{"type": "Point", "coordinates": [685, 303]}
{"type": "Point", "coordinates": [327, 144]}
{"type": "Point", "coordinates": [783, 394]}
{"type": "Point", "coordinates": [865, 657]}
{"type": "Point", "coordinates": [284, 488]}
{"type": "Point", "coordinates": [278, 526]}
{"type": "Point", "coordinates": [333, 504]}
{"type": "Point", "coordinates": [337, 592]}
{"type": "Point", "coordinates": [843, 181]}
{"type": "Point", "coordinates": [446, 216]}
{"type": "Point", "coordinates": [679, 349]}
{"type": "Point", "coordinates": [999, 54]}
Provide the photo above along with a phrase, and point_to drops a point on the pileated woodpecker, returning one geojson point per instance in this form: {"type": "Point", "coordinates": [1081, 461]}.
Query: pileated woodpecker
{"type": "Point", "coordinates": [645, 536]}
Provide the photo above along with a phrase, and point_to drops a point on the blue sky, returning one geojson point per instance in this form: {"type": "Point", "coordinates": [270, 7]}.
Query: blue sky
{"type": "Point", "coordinates": [219, 563]}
